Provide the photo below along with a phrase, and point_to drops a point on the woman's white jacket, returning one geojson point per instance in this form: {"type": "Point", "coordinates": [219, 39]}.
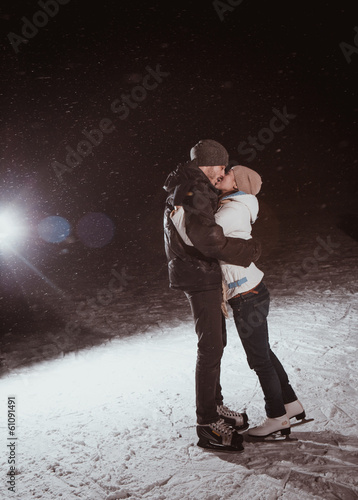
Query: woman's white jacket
{"type": "Point", "coordinates": [237, 213]}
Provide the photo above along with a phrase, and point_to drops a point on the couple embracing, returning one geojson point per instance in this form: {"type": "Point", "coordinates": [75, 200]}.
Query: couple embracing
{"type": "Point", "coordinates": [211, 257]}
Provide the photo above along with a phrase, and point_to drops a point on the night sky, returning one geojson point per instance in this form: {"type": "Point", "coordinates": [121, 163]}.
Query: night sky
{"type": "Point", "coordinates": [221, 72]}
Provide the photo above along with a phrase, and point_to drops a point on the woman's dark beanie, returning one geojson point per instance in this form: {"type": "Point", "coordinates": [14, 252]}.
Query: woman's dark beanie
{"type": "Point", "coordinates": [209, 153]}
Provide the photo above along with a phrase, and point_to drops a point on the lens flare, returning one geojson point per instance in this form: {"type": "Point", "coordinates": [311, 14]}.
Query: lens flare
{"type": "Point", "coordinates": [54, 229]}
{"type": "Point", "coordinates": [95, 230]}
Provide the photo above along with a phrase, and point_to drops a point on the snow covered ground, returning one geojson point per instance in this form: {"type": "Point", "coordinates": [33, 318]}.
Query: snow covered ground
{"type": "Point", "coordinates": [117, 420]}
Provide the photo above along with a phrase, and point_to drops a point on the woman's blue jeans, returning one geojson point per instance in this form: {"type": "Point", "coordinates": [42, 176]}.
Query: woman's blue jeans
{"type": "Point", "coordinates": [250, 314]}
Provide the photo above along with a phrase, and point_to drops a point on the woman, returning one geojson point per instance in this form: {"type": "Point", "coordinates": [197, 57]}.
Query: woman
{"type": "Point", "coordinates": [249, 300]}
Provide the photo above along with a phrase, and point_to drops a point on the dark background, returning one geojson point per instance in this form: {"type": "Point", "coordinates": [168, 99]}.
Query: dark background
{"type": "Point", "coordinates": [225, 78]}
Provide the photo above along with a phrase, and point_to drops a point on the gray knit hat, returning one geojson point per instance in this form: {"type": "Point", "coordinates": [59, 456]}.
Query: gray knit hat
{"type": "Point", "coordinates": [246, 179]}
{"type": "Point", "coordinates": [209, 153]}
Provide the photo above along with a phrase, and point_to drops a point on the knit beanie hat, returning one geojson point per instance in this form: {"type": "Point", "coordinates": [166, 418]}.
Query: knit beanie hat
{"type": "Point", "coordinates": [247, 180]}
{"type": "Point", "coordinates": [209, 153]}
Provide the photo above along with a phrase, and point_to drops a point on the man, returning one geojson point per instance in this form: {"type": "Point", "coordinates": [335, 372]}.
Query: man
{"type": "Point", "coordinates": [196, 271]}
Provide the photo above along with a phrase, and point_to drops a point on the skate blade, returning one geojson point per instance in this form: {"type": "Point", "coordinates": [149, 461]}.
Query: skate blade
{"type": "Point", "coordinates": [300, 416]}
{"type": "Point", "coordinates": [302, 421]}
{"type": "Point", "coordinates": [242, 428]}
{"type": "Point", "coordinates": [275, 436]}
{"type": "Point", "coordinates": [207, 445]}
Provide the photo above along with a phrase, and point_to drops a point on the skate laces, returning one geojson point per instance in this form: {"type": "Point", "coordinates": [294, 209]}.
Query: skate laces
{"type": "Point", "coordinates": [267, 421]}
{"type": "Point", "coordinates": [227, 412]}
{"type": "Point", "coordinates": [222, 427]}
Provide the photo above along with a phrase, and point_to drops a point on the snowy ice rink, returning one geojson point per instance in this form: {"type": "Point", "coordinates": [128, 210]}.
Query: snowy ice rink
{"type": "Point", "coordinates": [118, 420]}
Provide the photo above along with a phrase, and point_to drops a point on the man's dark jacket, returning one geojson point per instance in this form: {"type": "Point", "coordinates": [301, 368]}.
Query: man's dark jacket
{"type": "Point", "coordinates": [197, 268]}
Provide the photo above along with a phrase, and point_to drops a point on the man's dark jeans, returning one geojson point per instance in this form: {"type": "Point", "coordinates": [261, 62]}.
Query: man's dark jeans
{"type": "Point", "coordinates": [250, 314]}
{"type": "Point", "coordinates": [211, 332]}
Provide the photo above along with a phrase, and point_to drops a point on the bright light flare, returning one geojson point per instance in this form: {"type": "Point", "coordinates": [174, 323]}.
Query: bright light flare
{"type": "Point", "coordinates": [12, 229]}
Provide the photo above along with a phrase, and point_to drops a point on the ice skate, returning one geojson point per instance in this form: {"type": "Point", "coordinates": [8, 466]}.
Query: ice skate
{"type": "Point", "coordinates": [219, 436]}
{"type": "Point", "coordinates": [237, 420]}
{"type": "Point", "coordinates": [295, 410]}
{"type": "Point", "coordinates": [271, 426]}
